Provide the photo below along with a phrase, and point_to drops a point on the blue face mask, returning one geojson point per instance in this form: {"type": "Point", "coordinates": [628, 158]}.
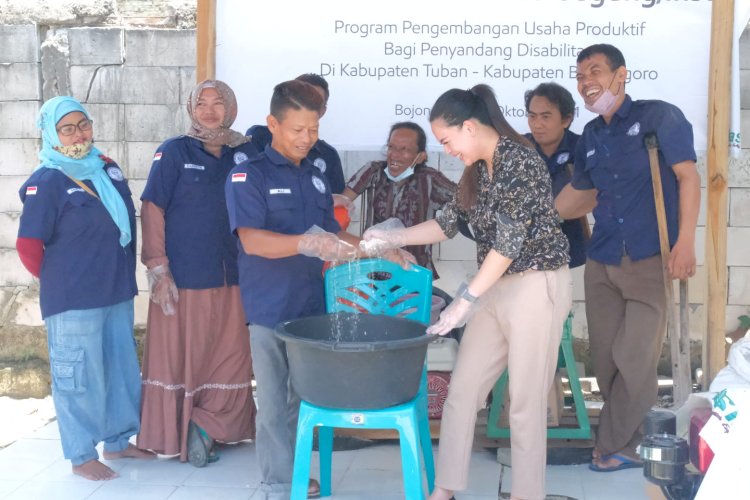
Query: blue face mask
{"type": "Point", "coordinates": [403, 175]}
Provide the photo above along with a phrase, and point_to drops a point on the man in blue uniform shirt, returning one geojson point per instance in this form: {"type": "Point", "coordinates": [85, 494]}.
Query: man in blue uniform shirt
{"type": "Point", "coordinates": [322, 155]}
{"type": "Point", "coordinates": [625, 296]}
{"type": "Point", "coordinates": [549, 111]}
{"type": "Point", "coordinates": [273, 200]}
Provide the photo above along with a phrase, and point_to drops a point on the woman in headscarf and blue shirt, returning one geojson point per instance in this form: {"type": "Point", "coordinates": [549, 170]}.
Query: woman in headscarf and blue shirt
{"type": "Point", "coordinates": [77, 234]}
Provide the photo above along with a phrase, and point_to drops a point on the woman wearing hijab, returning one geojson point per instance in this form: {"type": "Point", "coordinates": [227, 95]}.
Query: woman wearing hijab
{"type": "Point", "coordinates": [197, 369]}
{"type": "Point", "coordinates": [77, 234]}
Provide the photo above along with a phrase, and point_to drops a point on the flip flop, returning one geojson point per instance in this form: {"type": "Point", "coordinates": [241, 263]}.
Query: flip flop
{"type": "Point", "coordinates": [197, 450]}
{"type": "Point", "coordinates": [625, 463]}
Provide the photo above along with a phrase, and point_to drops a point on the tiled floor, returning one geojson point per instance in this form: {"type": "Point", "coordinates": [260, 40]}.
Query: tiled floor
{"type": "Point", "coordinates": [33, 468]}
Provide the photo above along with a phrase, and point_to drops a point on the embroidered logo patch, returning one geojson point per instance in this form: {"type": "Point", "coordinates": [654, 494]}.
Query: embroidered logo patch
{"type": "Point", "coordinates": [193, 166]}
{"type": "Point", "coordinates": [319, 184]}
{"type": "Point", "coordinates": [75, 190]}
{"type": "Point", "coordinates": [157, 156]}
{"type": "Point", "coordinates": [280, 191]}
{"type": "Point", "coordinates": [239, 157]}
{"type": "Point", "coordinates": [634, 129]}
{"type": "Point", "coordinates": [320, 163]}
{"type": "Point", "coordinates": [589, 154]}
{"type": "Point", "coordinates": [115, 174]}
{"type": "Point", "coordinates": [562, 158]}
{"type": "Point", "coordinates": [239, 177]}
{"type": "Point", "coordinates": [30, 190]}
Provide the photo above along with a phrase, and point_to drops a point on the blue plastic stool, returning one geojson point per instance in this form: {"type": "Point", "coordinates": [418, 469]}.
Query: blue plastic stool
{"type": "Point", "coordinates": [379, 287]}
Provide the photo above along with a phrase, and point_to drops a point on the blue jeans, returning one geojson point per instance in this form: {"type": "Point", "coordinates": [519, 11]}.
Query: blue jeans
{"type": "Point", "coordinates": [96, 382]}
{"type": "Point", "coordinates": [278, 409]}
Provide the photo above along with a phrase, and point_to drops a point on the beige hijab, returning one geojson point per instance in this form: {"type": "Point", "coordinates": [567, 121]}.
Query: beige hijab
{"type": "Point", "coordinates": [222, 136]}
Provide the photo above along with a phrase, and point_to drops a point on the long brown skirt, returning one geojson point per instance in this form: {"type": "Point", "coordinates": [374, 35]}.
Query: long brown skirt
{"type": "Point", "coordinates": [197, 366]}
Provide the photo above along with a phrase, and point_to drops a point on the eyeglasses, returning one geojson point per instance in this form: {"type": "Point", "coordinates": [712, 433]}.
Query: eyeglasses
{"type": "Point", "coordinates": [70, 129]}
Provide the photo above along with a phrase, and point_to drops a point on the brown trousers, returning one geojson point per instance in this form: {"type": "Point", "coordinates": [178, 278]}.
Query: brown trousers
{"type": "Point", "coordinates": [518, 325]}
{"type": "Point", "coordinates": [626, 314]}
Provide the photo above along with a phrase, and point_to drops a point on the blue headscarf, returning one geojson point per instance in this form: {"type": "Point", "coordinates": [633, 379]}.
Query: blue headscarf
{"type": "Point", "coordinates": [91, 167]}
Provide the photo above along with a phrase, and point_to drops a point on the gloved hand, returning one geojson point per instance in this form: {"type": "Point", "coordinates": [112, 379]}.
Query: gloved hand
{"type": "Point", "coordinates": [339, 200]}
{"type": "Point", "coordinates": [383, 236]}
{"type": "Point", "coordinates": [401, 257]}
{"type": "Point", "coordinates": [455, 315]}
{"type": "Point", "coordinates": [326, 246]}
{"type": "Point", "coordinates": [162, 288]}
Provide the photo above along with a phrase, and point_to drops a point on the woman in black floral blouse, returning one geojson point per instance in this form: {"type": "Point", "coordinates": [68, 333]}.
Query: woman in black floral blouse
{"type": "Point", "coordinates": [515, 305]}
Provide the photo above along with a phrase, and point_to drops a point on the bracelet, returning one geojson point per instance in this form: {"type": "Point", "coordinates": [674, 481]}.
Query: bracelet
{"type": "Point", "coordinates": [464, 293]}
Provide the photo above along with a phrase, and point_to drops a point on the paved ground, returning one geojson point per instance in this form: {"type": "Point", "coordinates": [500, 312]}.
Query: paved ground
{"type": "Point", "coordinates": [32, 467]}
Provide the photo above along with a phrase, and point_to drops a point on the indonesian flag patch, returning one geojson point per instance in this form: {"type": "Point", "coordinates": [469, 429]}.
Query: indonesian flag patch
{"type": "Point", "coordinates": [157, 156]}
{"type": "Point", "coordinates": [239, 177]}
{"type": "Point", "coordinates": [30, 190]}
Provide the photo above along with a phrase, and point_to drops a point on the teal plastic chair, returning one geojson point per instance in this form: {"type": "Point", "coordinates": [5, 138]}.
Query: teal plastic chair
{"type": "Point", "coordinates": [372, 286]}
{"type": "Point", "coordinates": [565, 358]}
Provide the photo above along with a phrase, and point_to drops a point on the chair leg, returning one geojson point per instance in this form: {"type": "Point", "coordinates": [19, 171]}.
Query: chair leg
{"type": "Point", "coordinates": [325, 454]}
{"type": "Point", "coordinates": [425, 442]}
{"type": "Point", "coordinates": [410, 457]}
{"type": "Point", "coordinates": [302, 455]}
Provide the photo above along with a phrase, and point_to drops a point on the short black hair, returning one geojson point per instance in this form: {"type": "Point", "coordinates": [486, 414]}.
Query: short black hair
{"type": "Point", "coordinates": [294, 94]}
{"type": "Point", "coordinates": [421, 136]}
{"type": "Point", "coordinates": [316, 80]}
{"type": "Point", "coordinates": [556, 94]}
{"type": "Point", "coordinates": [612, 53]}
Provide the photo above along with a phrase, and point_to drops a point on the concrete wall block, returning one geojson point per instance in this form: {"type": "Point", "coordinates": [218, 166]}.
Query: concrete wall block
{"type": "Point", "coordinates": [744, 47]}
{"type": "Point", "coordinates": [733, 312]}
{"type": "Point", "coordinates": [159, 47]}
{"type": "Point", "coordinates": [453, 273]}
{"type": "Point", "coordinates": [26, 308]}
{"type": "Point", "coordinates": [12, 272]}
{"type": "Point", "coordinates": [18, 156]}
{"type": "Point", "coordinates": [8, 229]}
{"type": "Point", "coordinates": [187, 82]}
{"type": "Point", "coordinates": [19, 82]}
{"type": "Point", "coordinates": [81, 78]}
{"type": "Point", "coordinates": [96, 45]}
{"type": "Point", "coordinates": [738, 242]}
{"type": "Point", "coordinates": [745, 89]}
{"type": "Point", "coordinates": [9, 186]}
{"type": "Point", "coordinates": [19, 120]}
{"type": "Point", "coordinates": [150, 123]}
{"type": "Point", "coordinates": [700, 245]}
{"type": "Point", "coordinates": [696, 287]}
{"type": "Point", "coordinates": [150, 85]}
{"type": "Point", "coordinates": [140, 156]}
{"type": "Point", "coordinates": [739, 286]}
{"type": "Point", "coordinates": [136, 187]}
{"type": "Point", "coordinates": [351, 161]}
{"type": "Point", "coordinates": [458, 248]}
{"type": "Point", "coordinates": [20, 43]}
{"type": "Point", "coordinates": [577, 275]}
{"type": "Point", "coordinates": [108, 124]}
{"type": "Point", "coordinates": [739, 207]}
{"type": "Point", "coordinates": [105, 85]}
{"type": "Point", "coordinates": [114, 150]}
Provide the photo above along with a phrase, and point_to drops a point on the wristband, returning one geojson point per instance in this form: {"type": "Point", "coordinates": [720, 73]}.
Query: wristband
{"type": "Point", "coordinates": [464, 293]}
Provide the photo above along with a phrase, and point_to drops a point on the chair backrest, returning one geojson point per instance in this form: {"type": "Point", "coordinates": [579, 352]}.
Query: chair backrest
{"type": "Point", "coordinates": [378, 286]}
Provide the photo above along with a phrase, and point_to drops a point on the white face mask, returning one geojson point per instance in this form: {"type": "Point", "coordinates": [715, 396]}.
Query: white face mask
{"type": "Point", "coordinates": [403, 175]}
{"type": "Point", "coordinates": [605, 102]}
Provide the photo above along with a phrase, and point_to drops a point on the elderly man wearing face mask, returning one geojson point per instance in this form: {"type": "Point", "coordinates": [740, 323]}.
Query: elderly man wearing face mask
{"type": "Point", "coordinates": [403, 186]}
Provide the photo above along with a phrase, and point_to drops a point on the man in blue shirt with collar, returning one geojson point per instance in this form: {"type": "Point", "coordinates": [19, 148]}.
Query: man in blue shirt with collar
{"type": "Point", "coordinates": [273, 200]}
{"type": "Point", "coordinates": [549, 112]}
{"type": "Point", "coordinates": [625, 295]}
{"type": "Point", "coordinates": [322, 155]}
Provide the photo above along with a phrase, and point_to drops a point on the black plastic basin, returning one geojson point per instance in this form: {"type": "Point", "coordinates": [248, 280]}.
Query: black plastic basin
{"type": "Point", "coordinates": [355, 361]}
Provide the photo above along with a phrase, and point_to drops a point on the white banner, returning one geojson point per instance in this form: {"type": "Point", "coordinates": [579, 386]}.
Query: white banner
{"type": "Point", "coordinates": [388, 61]}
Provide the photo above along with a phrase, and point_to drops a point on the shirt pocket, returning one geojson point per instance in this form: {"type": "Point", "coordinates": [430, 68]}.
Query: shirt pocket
{"type": "Point", "coordinates": [68, 369]}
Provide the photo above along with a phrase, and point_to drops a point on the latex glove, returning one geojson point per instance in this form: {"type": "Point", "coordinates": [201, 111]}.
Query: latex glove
{"type": "Point", "coordinates": [162, 288]}
{"type": "Point", "coordinates": [455, 315]}
{"type": "Point", "coordinates": [326, 246]}
{"type": "Point", "coordinates": [382, 237]}
{"type": "Point", "coordinates": [339, 200]}
{"type": "Point", "coordinates": [401, 257]}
